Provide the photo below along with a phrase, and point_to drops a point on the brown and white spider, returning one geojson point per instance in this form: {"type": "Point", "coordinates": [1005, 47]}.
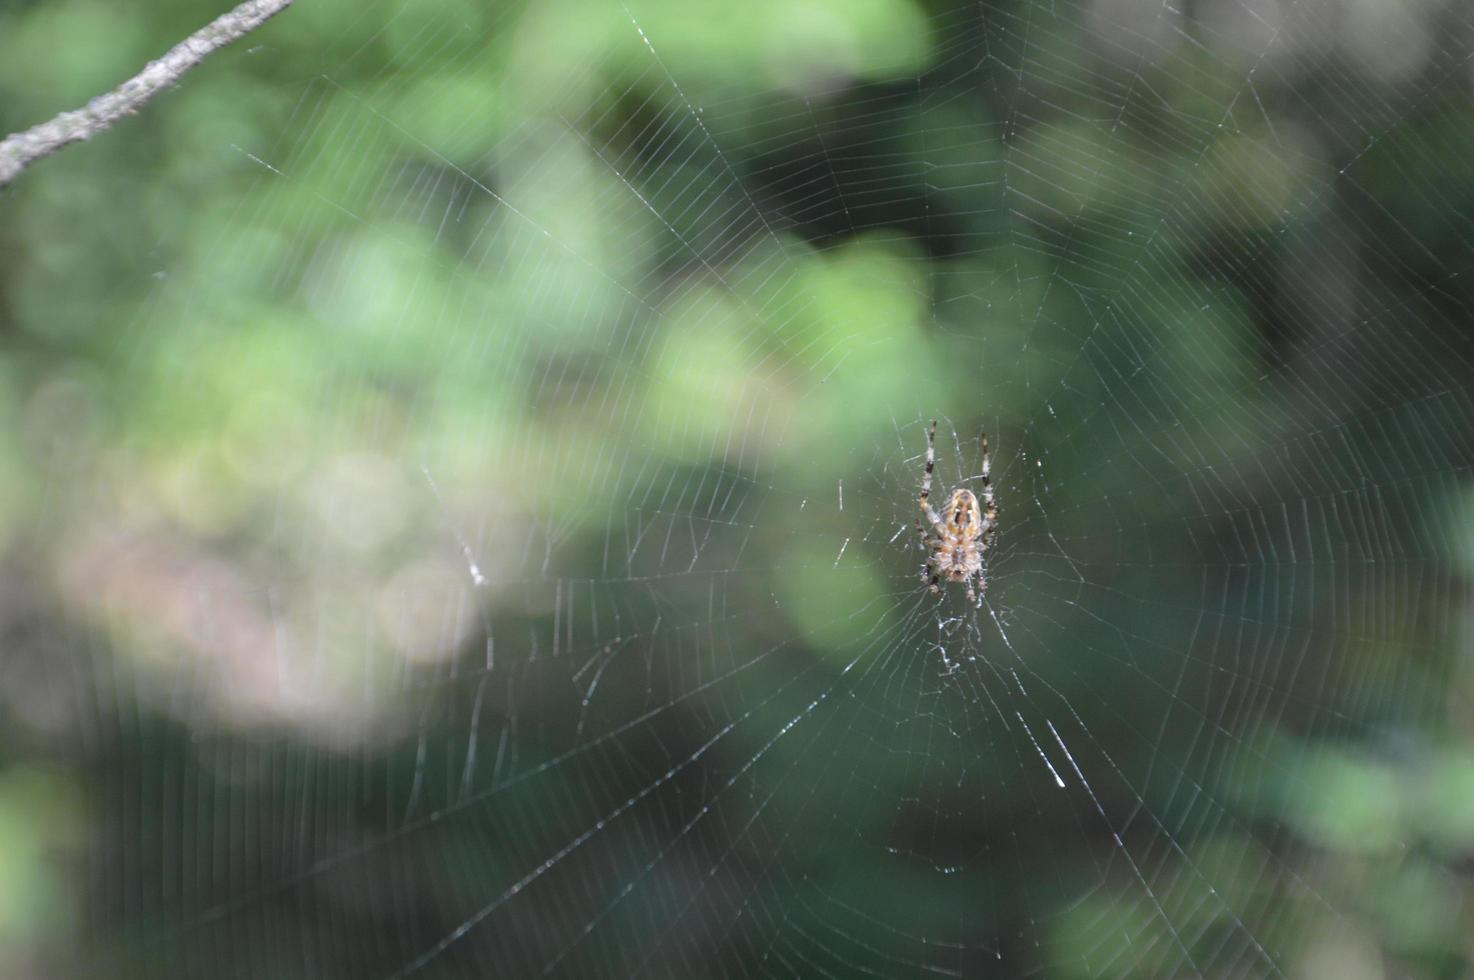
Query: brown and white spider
{"type": "Point", "coordinates": [963, 532]}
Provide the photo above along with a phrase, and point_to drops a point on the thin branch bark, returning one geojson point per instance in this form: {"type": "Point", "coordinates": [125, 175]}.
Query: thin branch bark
{"type": "Point", "coordinates": [19, 150]}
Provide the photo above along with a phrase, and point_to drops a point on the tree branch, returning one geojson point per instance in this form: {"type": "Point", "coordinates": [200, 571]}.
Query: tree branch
{"type": "Point", "coordinates": [19, 150]}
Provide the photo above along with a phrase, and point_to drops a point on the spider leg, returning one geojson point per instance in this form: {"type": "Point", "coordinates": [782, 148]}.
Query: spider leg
{"type": "Point", "coordinates": [931, 462]}
{"type": "Point", "coordinates": [929, 572]}
{"type": "Point", "coordinates": [990, 505]}
{"type": "Point", "coordinates": [928, 547]}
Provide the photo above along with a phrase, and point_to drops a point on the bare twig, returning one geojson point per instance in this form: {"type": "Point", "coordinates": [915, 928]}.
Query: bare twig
{"type": "Point", "coordinates": [19, 150]}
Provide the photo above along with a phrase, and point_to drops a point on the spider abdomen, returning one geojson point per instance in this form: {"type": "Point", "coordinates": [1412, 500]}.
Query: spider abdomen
{"type": "Point", "coordinates": [961, 514]}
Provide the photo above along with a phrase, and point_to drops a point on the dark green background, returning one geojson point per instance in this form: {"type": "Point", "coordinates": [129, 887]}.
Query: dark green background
{"type": "Point", "coordinates": [618, 303]}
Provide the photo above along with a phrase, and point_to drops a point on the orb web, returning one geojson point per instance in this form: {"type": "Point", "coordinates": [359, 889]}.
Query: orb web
{"type": "Point", "coordinates": [574, 365]}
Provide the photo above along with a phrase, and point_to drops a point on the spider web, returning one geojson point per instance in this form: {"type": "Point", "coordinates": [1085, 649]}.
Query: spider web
{"type": "Point", "coordinates": [572, 623]}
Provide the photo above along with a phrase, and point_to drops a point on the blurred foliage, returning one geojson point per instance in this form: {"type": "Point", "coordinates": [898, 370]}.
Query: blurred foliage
{"type": "Point", "coordinates": [619, 302]}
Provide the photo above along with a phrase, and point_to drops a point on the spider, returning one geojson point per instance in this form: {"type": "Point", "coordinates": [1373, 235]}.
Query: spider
{"type": "Point", "coordinates": [964, 532]}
